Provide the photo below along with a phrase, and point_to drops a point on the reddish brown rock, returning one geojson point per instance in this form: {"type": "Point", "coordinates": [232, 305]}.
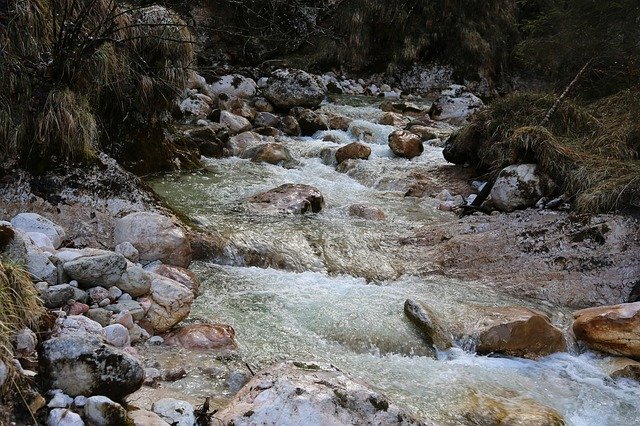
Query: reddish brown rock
{"type": "Point", "coordinates": [611, 329]}
{"type": "Point", "coordinates": [290, 198]}
{"type": "Point", "coordinates": [518, 331]}
{"type": "Point", "coordinates": [405, 144]}
{"type": "Point", "coordinates": [394, 119]}
{"type": "Point", "coordinates": [181, 275]}
{"type": "Point", "coordinates": [354, 150]}
{"type": "Point", "coordinates": [203, 336]}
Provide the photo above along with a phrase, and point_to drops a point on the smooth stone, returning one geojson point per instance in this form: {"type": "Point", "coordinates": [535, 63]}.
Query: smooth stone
{"type": "Point", "coordinates": [174, 411]}
{"type": "Point", "coordinates": [33, 222]}
{"type": "Point", "coordinates": [64, 417]}
{"type": "Point", "coordinates": [202, 336]}
{"type": "Point", "coordinates": [117, 335]}
{"type": "Point", "coordinates": [100, 410]}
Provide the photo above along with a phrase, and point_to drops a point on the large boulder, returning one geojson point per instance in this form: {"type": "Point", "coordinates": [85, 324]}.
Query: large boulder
{"type": "Point", "coordinates": [290, 198]}
{"type": "Point", "coordinates": [238, 144]}
{"type": "Point", "coordinates": [33, 222]}
{"type": "Point", "coordinates": [286, 89]}
{"type": "Point", "coordinates": [311, 122]}
{"type": "Point", "coordinates": [405, 144]}
{"type": "Point", "coordinates": [234, 86]}
{"type": "Point", "coordinates": [195, 107]}
{"type": "Point", "coordinates": [135, 281]}
{"type": "Point", "coordinates": [517, 331]}
{"type": "Point", "coordinates": [171, 303]}
{"type": "Point", "coordinates": [182, 275]}
{"type": "Point", "coordinates": [218, 337]}
{"type": "Point", "coordinates": [19, 247]}
{"type": "Point", "coordinates": [83, 364]}
{"type": "Point", "coordinates": [272, 153]}
{"type": "Point", "coordinates": [611, 329]}
{"type": "Point", "coordinates": [355, 150]}
{"type": "Point", "coordinates": [428, 323]}
{"type": "Point", "coordinates": [235, 123]}
{"type": "Point", "coordinates": [306, 393]}
{"type": "Point", "coordinates": [456, 105]}
{"type": "Point", "coordinates": [519, 186]}
{"type": "Point", "coordinates": [103, 270]}
{"type": "Point", "coordinates": [156, 237]}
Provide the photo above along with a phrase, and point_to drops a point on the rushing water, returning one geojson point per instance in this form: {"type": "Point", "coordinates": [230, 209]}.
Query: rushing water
{"type": "Point", "coordinates": [338, 290]}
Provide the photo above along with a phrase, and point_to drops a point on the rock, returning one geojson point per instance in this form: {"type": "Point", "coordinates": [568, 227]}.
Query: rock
{"type": "Point", "coordinates": [135, 281]}
{"type": "Point", "coordinates": [80, 401]}
{"type": "Point", "coordinates": [299, 393]}
{"type": "Point", "coordinates": [101, 411]}
{"type": "Point", "coordinates": [235, 123]}
{"type": "Point", "coordinates": [56, 296]}
{"type": "Point", "coordinates": [236, 380]}
{"type": "Point", "coordinates": [234, 86]}
{"type": "Point", "coordinates": [63, 417]}
{"type": "Point", "coordinates": [174, 374]}
{"type": "Point", "coordinates": [76, 324]}
{"type": "Point", "coordinates": [101, 316]}
{"type": "Point", "coordinates": [427, 321]}
{"type": "Point", "coordinates": [290, 126]}
{"type": "Point", "coordinates": [240, 107]}
{"type": "Point", "coordinates": [125, 319]}
{"type": "Point", "coordinates": [138, 334]}
{"type": "Point", "coordinates": [311, 122]}
{"type": "Point", "coordinates": [181, 275]}
{"type": "Point", "coordinates": [624, 368]}
{"type": "Point", "coordinates": [114, 293]}
{"type": "Point", "coordinates": [272, 153]}
{"type": "Point", "coordinates": [156, 237]}
{"type": "Point", "coordinates": [266, 119]}
{"type": "Point", "coordinates": [290, 198]}
{"type": "Point", "coordinates": [128, 251]}
{"type": "Point", "coordinates": [84, 365]}
{"type": "Point", "coordinates": [77, 308]}
{"type": "Point", "coordinates": [102, 270]}
{"type": "Point", "coordinates": [41, 241]}
{"type": "Point", "coordinates": [171, 304]}
{"type": "Point", "coordinates": [133, 307]}
{"type": "Point", "coordinates": [291, 88]}
{"type": "Point", "coordinates": [117, 335]}
{"type": "Point", "coordinates": [355, 150]}
{"type": "Point", "coordinates": [24, 342]}
{"type": "Point", "coordinates": [512, 409]}
{"type": "Point", "coordinates": [96, 294]}
{"type": "Point", "coordinates": [426, 133]}
{"type": "Point", "coordinates": [262, 105]}
{"type": "Point", "coordinates": [175, 412]}
{"type": "Point", "coordinates": [79, 295]}
{"type": "Point", "coordinates": [518, 331]}
{"type": "Point", "coordinates": [394, 119]}
{"type": "Point", "coordinates": [238, 144]}
{"type": "Point", "coordinates": [519, 186]}
{"type": "Point", "coordinates": [60, 400]}
{"type": "Point", "coordinates": [19, 247]}
{"type": "Point", "coordinates": [146, 418]}
{"type": "Point", "coordinates": [405, 144]}
{"type": "Point", "coordinates": [195, 107]}
{"type": "Point", "coordinates": [220, 337]}
{"type": "Point", "coordinates": [339, 122]}
{"type": "Point", "coordinates": [610, 329]}
{"type": "Point", "coordinates": [152, 377]}
{"type": "Point", "coordinates": [4, 373]}
{"type": "Point", "coordinates": [456, 105]}
{"type": "Point", "coordinates": [366, 212]}
{"type": "Point", "coordinates": [156, 340]}
{"type": "Point", "coordinates": [32, 222]}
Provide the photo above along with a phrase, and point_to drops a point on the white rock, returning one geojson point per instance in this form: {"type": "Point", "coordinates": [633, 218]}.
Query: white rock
{"type": "Point", "coordinates": [235, 123]}
{"type": "Point", "coordinates": [4, 373]}
{"type": "Point", "coordinates": [175, 412]}
{"type": "Point", "coordinates": [456, 104]}
{"type": "Point", "coordinates": [171, 303]}
{"type": "Point", "coordinates": [32, 222]}
{"type": "Point", "coordinates": [146, 418]}
{"type": "Point", "coordinates": [117, 335]}
{"type": "Point", "coordinates": [129, 251]}
{"type": "Point", "coordinates": [60, 400]}
{"type": "Point", "coordinates": [25, 342]}
{"type": "Point", "coordinates": [41, 241]}
{"type": "Point", "coordinates": [519, 186]}
{"type": "Point", "coordinates": [80, 401]}
{"type": "Point", "coordinates": [263, 82]}
{"type": "Point", "coordinates": [63, 417]}
{"type": "Point", "coordinates": [103, 270]}
{"type": "Point", "coordinates": [234, 86]}
{"type": "Point", "coordinates": [101, 411]}
{"type": "Point", "coordinates": [290, 88]}
{"type": "Point", "coordinates": [196, 107]}
{"type": "Point", "coordinates": [74, 325]}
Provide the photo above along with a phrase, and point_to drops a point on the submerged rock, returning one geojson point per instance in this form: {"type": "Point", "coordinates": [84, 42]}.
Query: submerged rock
{"type": "Point", "coordinates": [290, 198]}
{"type": "Point", "coordinates": [427, 321]}
{"type": "Point", "coordinates": [308, 393]}
{"type": "Point", "coordinates": [353, 150]}
{"type": "Point", "coordinates": [366, 212]}
{"type": "Point", "coordinates": [405, 144]}
{"type": "Point", "coordinates": [611, 329]}
{"type": "Point", "coordinates": [291, 88]}
{"type": "Point", "coordinates": [519, 186]}
{"type": "Point", "coordinates": [220, 337]}
{"type": "Point", "coordinates": [623, 368]}
{"type": "Point", "coordinates": [272, 153]}
{"type": "Point", "coordinates": [510, 409]}
{"type": "Point", "coordinates": [84, 365]}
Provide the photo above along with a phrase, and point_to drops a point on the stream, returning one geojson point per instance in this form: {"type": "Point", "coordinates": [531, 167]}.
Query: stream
{"type": "Point", "coordinates": [331, 287]}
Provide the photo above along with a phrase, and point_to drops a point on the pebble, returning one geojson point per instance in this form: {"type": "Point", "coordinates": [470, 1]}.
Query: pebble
{"type": "Point", "coordinates": [125, 319]}
{"type": "Point", "coordinates": [104, 302]}
{"type": "Point", "coordinates": [117, 335]}
{"type": "Point", "coordinates": [174, 374]}
{"type": "Point", "coordinates": [152, 377]}
{"type": "Point", "coordinates": [80, 401]}
{"type": "Point", "coordinates": [125, 296]}
{"type": "Point", "coordinates": [114, 293]}
{"type": "Point", "coordinates": [155, 340]}
{"type": "Point", "coordinates": [60, 400]}
{"type": "Point", "coordinates": [97, 294]}
{"type": "Point", "coordinates": [73, 283]}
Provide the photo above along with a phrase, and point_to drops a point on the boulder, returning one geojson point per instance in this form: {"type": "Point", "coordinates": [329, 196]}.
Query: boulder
{"type": "Point", "coordinates": [456, 105]}
{"type": "Point", "coordinates": [235, 123]}
{"type": "Point", "coordinates": [394, 119]}
{"type": "Point", "coordinates": [339, 122]}
{"type": "Point", "coordinates": [509, 409]}
{"type": "Point", "coordinates": [610, 329]}
{"type": "Point", "coordinates": [428, 323]}
{"type": "Point", "coordinates": [405, 144]}
{"type": "Point", "coordinates": [195, 107]}
{"type": "Point", "coordinates": [135, 281]}
{"type": "Point", "coordinates": [33, 222]}
{"type": "Point", "coordinates": [220, 337]}
{"type": "Point", "coordinates": [355, 151]}
{"type": "Point", "coordinates": [307, 393]}
{"type": "Point", "coordinates": [238, 144]}
{"type": "Point", "coordinates": [366, 212]}
{"type": "Point", "coordinates": [19, 247]}
{"type": "Point", "coordinates": [623, 368]}
{"type": "Point", "coordinates": [57, 296]}
{"type": "Point", "coordinates": [240, 107]}
{"type": "Point", "coordinates": [84, 365]}
{"type": "Point", "coordinates": [41, 241]}
{"type": "Point", "coordinates": [176, 273]}
{"type": "Point", "coordinates": [175, 412]}
{"type": "Point", "coordinates": [272, 153]}
{"type": "Point", "coordinates": [103, 270]}
{"type": "Point", "coordinates": [266, 119]}
{"type": "Point", "coordinates": [101, 411]}
{"type": "Point", "coordinates": [234, 86]}
{"type": "Point", "coordinates": [171, 303]}
{"type": "Point", "coordinates": [286, 89]}
{"type": "Point", "coordinates": [74, 325]}
{"type": "Point", "coordinates": [290, 198]}
{"type": "Point", "coordinates": [156, 237]}
{"type": "Point", "coordinates": [519, 186]}
{"type": "Point", "coordinates": [116, 335]}
{"type": "Point", "coordinates": [146, 418]}
{"type": "Point", "coordinates": [128, 251]}
{"type": "Point", "coordinates": [518, 331]}
{"type": "Point", "coordinates": [290, 126]}
{"type": "Point", "coordinates": [311, 122]}
{"type": "Point", "coordinates": [64, 417]}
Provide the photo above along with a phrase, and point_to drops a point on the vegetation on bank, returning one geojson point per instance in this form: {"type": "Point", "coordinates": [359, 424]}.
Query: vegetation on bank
{"type": "Point", "coordinates": [79, 73]}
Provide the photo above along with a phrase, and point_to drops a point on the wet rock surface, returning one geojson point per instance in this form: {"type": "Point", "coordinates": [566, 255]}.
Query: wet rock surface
{"type": "Point", "coordinates": [218, 337]}
{"type": "Point", "coordinates": [290, 198]}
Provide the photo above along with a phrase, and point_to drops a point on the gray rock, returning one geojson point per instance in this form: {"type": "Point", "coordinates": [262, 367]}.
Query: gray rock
{"type": "Point", "coordinates": [234, 86]}
{"type": "Point", "coordinates": [41, 241]}
{"type": "Point", "coordinates": [97, 294]}
{"type": "Point", "coordinates": [80, 401]}
{"type": "Point", "coordinates": [135, 281]}
{"type": "Point", "coordinates": [129, 251]}
{"type": "Point", "coordinates": [25, 342]}
{"type": "Point", "coordinates": [138, 334]}
{"type": "Point", "coordinates": [32, 222]}
{"type": "Point", "coordinates": [56, 296]}
{"type": "Point", "coordinates": [152, 377]}
{"type": "Point", "coordinates": [235, 123]}
{"type": "Point", "coordinates": [79, 295]}
{"type": "Point", "coordinates": [64, 417]}
{"type": "Point", "coordinates": [102, 270]}
{"type": "Point", "coordinates": [175, 412]}
{"type": "Point", "coordinates": [455, 104]}
{"type": "Point", "coordinates": [84, 365]}
{"type": "Point", "coordinates": [271, 153]}
{"type": "Point", "coordinates": [155, 340]}
{"type": "Point", "coordinates": [519, 186]}
{"type": "Point", "coordinates": [427, 321]}
{"type": "Point", "coordinates": [114, 293]}
{"type": "Point", "coordinates": [290, 88]}
{"type": "Point", "coordinates": [290, 198]}
{"type": "Point", "coordinates": [100, 410]}
{"type": "Point", "coordinates": [116, 335]}
{"type": "Point", "coordinates": [77, 324]}
{"type": "Point", "coordinates": [60, 400]}
{"type": "Point", "coordinates": [131, 306]}
{"type": "Point", "coordinates": [4, 373]}
{"type": "Point", "coordinates": [306, 393]}
{"type": "Point", "coordinates": [156, 237]}
{"type": "Point", "coordinates": [236, 380]}
{"type": "Point", "coordinates": [266, 119]}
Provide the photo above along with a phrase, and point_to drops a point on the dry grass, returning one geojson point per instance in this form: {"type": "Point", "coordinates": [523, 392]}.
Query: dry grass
{"type": "Point", "coordinates": [592, 151]}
